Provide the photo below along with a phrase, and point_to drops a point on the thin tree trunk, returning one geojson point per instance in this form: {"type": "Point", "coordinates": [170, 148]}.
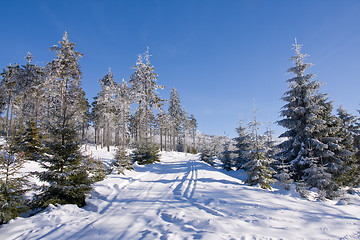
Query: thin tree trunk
{"type": "Point", "coordinates": [95, 128]}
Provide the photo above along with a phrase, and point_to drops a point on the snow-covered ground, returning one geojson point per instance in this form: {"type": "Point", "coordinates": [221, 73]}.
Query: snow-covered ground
{"type": "Point", "coordinates": [184, 198]}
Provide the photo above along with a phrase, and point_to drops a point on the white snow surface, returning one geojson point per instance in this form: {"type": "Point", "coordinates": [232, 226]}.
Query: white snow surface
{"type": "Point", "coordinates": [184, 198]}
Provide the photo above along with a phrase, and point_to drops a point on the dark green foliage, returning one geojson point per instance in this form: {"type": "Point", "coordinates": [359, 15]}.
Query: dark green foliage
{"type": "Point", "coordinates": [96, 169]}
{"type": "Point", "coordinates": [207, 156]}
{"type": "Point", "coordinates": [13, 185]}
{"type": "Point", "coordinates": [146, 153]}
{"type": "Point", "coordinates": [227, 161]}
{"type": "Point", "coordinates": [284, 175]}
{"type": "Point", "coordinates": [242, 142]}
{"type": "Point", "coordinates": [191, 150]}
{"type": "Point", "coordinates": [66, 172]}
{"type": "Point", "coordinates": [29, 141]}
{"type": "Point", "coordinates": [122, 161]}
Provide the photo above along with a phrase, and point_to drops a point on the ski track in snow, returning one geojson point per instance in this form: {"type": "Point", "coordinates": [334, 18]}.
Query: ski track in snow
{"type": "Point", "coordinates": [184, 198]}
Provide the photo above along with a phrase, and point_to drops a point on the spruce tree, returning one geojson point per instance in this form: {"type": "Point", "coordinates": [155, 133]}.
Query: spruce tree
{"type": "Point", "coordinates": [348, 129]}
{"type": "Point", "coordinates": [176, 116]}
{"type": "Point", "coordinates": [227, 161]}
{"type": "Point", "coordinates": [29, 141]}
{"type": "Point", "coordinates": [13, 185]}
{"type": "Point", "coordinates": [66, 173]}
{"type": "Point", "coordinates": [146, 153]}
{"type": "Point", "coordinates": [241, 146]}
{"type": "Point", "coordinates": [302, 117]}
{"type": "Point", "coordinates": [123, 161]}
{"type": "Point", "coordinates": [313, 143]}
{"type": "Point", "coordinates": [143, 88]}
{"type": "Point", "coordinates": [258, 162]}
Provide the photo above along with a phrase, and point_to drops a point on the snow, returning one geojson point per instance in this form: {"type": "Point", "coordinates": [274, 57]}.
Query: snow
{"type": "Point", "coordinates": [184, 198]}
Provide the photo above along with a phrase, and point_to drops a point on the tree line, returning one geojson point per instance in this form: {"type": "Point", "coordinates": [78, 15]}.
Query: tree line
{"type": "Point", "coordinates": [45, 117]}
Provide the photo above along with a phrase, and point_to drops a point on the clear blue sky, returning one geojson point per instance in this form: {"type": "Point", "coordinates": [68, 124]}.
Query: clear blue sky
{"type": "Point", "coordinates": [219, 55]}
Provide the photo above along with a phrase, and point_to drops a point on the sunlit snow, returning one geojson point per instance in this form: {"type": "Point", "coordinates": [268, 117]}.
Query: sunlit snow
{"type": "Point", "coordinates": [184, 198]}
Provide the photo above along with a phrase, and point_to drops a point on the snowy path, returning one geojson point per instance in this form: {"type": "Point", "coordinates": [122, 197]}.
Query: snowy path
{"type": "Point", "coordinates": [183, 198]}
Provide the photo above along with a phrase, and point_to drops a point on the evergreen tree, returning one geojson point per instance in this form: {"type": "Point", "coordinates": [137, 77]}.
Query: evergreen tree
{"type": "Point", "coordinates": [227, 161]}
{"type": "Point", "coordinates": [146, 153]}
{"type": "Point", "coordinates": [65, 96]}
{"type": "Point", "coordinates": [10, 77]}
{"type": "Point", "coordinates": [284, 176]}
{"type": "Point", "coordinates": [143, 89]}
{"type": "Point", "coordinates": [68, 179]}
{"type": "Point", "coordinates": [347, 174]}
{"type": "Point", "coordinates": [105, 106]}
{"type": "Point", "coordinates": [66, 172]}
{"type": "Point", "coordinates": [29, 141]}
{"type": "Point", "coordinates": [303, 117]}
{"type": "Point", "coordinates": [258, 162]}
{"type": "Point", "coordinates": [241, 146]}
{"type": "Point", "coordinates": [123, 101]}
{"type": "Point", "coordinates": [13, 185]}
{"type": "Point", "coordinates": [176, 116]}
{"type": "Point", "coordinates": [123, 161]}
{"type": "Point", "coordinates": [193, 127]}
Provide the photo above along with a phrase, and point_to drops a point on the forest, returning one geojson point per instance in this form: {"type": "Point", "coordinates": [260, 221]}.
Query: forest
{"type": "Point", "coordinates": [46, 118]}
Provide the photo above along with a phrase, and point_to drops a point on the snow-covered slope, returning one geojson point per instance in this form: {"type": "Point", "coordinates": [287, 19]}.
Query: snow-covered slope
{"type": "Point", "coordinates": [183, 198]}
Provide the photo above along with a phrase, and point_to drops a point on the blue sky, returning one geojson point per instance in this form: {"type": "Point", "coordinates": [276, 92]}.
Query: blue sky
{"type": "Point", "coordinates": [221, 56]}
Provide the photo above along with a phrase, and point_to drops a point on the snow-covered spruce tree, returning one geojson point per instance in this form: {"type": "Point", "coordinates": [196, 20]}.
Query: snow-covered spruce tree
{"type": "Point", "coordinates": [66, 168]}
{"type": "Point", "coordinates": [105, 106]}
{"type": "Point", "coordinates": [143, 88]}
{"type": "Point", "coordinates": [13, 185]}
{"type": "Point", "coordinates": [123, 161]}
{"type": "Point", "coordinates": [64, 94]}
{"type": "Point", "coordinates": [283, 175]}
{"type": "Point", "coordinates": [306, 118]}
{"type": "Point", "coordinates": [30, 89]}
{"type": "Point", "coordinates": [29, 141]}
{"type": "Point", "coordinates": [163, 122]}
{"type": "Point", "coordinates": [318, 176]}
{"type": "Point", "coordinates": [258, 162]}
{"type": "Point", "coordinates": [66, 174]}
{"type": "Point", "coordinates": [193, 127]}
{"type": "Point", "coordinates": [242, 143]}
{"type": "Point", "coordinates": [8, 84]}
{"type": "Point", "coordinates": [146, 153]}
{"type": "Point", "coordinates": [122, 103]}
{"type": "Point", "coordinates": [176, 115]}
{"type": "Point", "coordinates": [227, 160]}
{"type": "Point", "coordinates": [348, 130]}
{"type": "Point", "coordinates": [207, 155]}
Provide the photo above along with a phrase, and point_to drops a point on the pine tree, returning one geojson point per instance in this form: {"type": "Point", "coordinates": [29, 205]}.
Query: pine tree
{"type": "Point", "coordinates": [29, 141]}
{"type": "Point", "coordinates": [258, 163]}
{"type": "Point", "coordinates": [122, 103]}
{"type": "Point", "coordinates": [13, 185]}
{"type": "Point", "coordinates": [65, 96]}
{"type": "Point", "coordinates": [66, 172]}
{"type": "Point", "coordinates": [303, 117]}
{"type": "Point", "coordinates": [143, 89]}
{"type": "Point", "coordinates": [105, 106]}
{"type": "Point", "coordinates": [68, 179]}
{"type": "Point", "coordinates": [314, 137]}
{"type": "Point", "coordinates": [241, 146]}
{"type": "Point", "coordinates": [176, 116]}
{"type": "Point", "coordinates": [146, 153]}
{"type": "Point", "coordinates": [348, 129]}
{"type": "Point", "coordinates": [227, 161]}
{"type": "Point", "coordinates": [123, 161]}
{"type": "Point", "coordinates": [283, 175]}
{"type": "Point", "coordinates": [9, 82]}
